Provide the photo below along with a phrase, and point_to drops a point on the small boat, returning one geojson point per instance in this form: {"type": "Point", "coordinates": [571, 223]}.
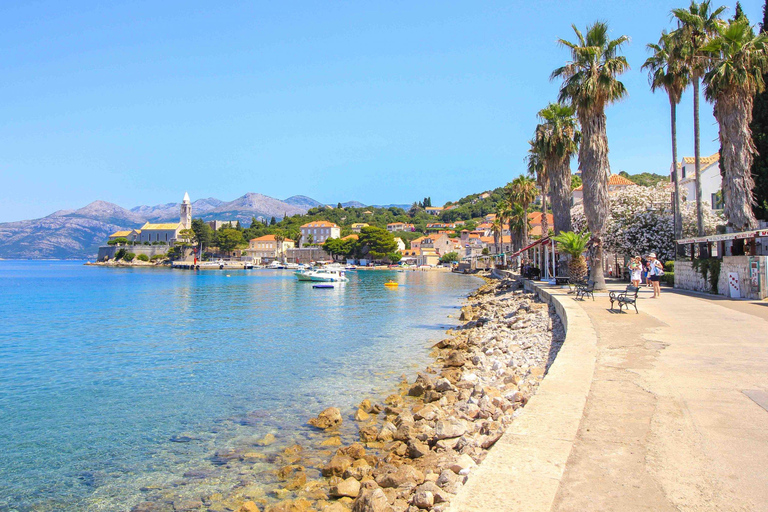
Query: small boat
{"type": "Point", "coordinates": [322, 275]}
{"type": "Point", "coordinates": [391, 284]}
{"type": "Point", "coordinates": [322, 286]}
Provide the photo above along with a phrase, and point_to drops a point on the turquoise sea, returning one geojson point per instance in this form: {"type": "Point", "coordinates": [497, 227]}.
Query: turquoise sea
{"type": "Point", "coordinates": [119, 385]}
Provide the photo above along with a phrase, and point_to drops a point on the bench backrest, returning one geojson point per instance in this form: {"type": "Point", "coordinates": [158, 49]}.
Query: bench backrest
{"type": "Point", "coordinates": [590, 285]}
{"type": "Point", "coordinates": [632, 290]}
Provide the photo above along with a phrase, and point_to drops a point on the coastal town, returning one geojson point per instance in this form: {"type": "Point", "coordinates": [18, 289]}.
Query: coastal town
{"type": "Point", "coordinates": [558, 331]}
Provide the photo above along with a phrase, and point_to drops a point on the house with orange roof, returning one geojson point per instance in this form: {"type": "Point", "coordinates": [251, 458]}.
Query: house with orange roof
{"type": "Point", "coordinates": [711, 180]}
{"type": "Point", "coordinates": [615, 182]}
{"type": "Point", "coordinates": [393, 227]}
{"type": "Point", "coordinates": [319, 231]}
{"type": "Point", "coordinates": [266, 248]}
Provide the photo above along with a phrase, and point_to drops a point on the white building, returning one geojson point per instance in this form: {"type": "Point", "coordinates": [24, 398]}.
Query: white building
{"type": "Point", "coordinates": [711, 181]}
{"type": "Point", "coordinates": [615, 182]}
{"type": "Point", "coordinates": [320, 231]}
{"type": "Point", "coordinates": [400, 244]}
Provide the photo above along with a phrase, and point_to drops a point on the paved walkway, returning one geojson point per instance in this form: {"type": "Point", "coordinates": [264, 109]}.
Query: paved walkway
{"type": "Point", "coordinates": [659, 411]}
{"type": "Point", "coordinates": [669, 423]}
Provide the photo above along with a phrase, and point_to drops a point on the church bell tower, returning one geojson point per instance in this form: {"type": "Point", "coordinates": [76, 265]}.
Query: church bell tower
{"type": "Point", "coordinates": [186, 213]}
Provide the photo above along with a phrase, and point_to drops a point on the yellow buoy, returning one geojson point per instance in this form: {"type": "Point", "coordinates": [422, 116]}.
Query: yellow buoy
{"type": "Point", "coordinates": [391, 284]}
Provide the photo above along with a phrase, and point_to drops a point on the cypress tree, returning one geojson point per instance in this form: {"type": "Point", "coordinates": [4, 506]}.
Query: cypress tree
{"type": "Point", "coordinates": [759, 127]}
{"type": "Point", "coordinates": [739, 14]}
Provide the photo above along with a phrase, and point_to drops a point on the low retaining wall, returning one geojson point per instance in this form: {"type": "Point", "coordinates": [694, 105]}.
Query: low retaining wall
{"type": "Point", "coordinates": [751, 271]}
{"type": "Point", "coordinates": [523, 470]}
{"type": "Point", "coordinates": [109, 251]}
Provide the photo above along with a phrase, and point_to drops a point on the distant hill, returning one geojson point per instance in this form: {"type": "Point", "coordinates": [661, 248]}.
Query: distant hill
{"type": "Point", "coordinates": [65, 234]}
{"type": "Point", "coordinates": [303, 202]}
{"type": "Point", "coordinates": [77, 234]}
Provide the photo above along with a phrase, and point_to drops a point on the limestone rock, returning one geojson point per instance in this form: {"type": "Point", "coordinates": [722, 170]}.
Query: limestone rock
{"type": "Point", "coordinates": [423, 500]}
{"type": "Point", "coordinates": [401, 476]}
{"type": "Point", "coordinates": [349, 487]}
{"type": "Point", "coordinates": [337, 465]}
{"type": "Point", "coordinates": [266, 440]}
{"type": "Point", "coordinates": [248, 506]}
{"type": "Point", "coordinates": [373, 500]}
{"type": "Point", "coordinates": [361, 415]}
{"type": "Point", "coordinates": [449, 428]}
{"type": "Point", "coordinates": [329, 418]}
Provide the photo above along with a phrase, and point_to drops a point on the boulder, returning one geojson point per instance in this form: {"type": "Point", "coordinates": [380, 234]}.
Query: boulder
{"type": "Point", "coordinates": [361, 415]}
{"type": "Point", "coordinates": [248, 506]}
{"type": "Point", "coordinates": [449, 428]}
{"type": "Point", "coordinates": [354, 451]}
{"type": "Point", "coordinates": [332, 441]}
{"type": "Point", "coordinates": [349, 487]}
{"type": "Point", "coordinates": [417, 449]}
{"type": "Point", "coordinates": [366, 406]}
{"type": "Point", "coordinates": [400, 476]}
{"type": "Point", "coordinates": [462, 464]}
{"type": "Point", "coordinates": [337, 465]}
{"type": "Point", "coordinates": [368, 434]}
{"type": "Point", "coordinates": [329, 418]}
{"type": "Point", "coordinates": [372, 500]}
{"type": "Point", "coordinates": [455, 360]}
{"type": "Point", "coordinates": [423, 500]}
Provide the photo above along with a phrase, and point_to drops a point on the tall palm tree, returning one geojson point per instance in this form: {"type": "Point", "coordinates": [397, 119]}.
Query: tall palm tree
{"type": "Point", "coordinates": [697, 24]}
{"type": "Point", "coordinates": [522, 192]}
{"type": "Point", "coordinates": [518, 225]}
{"type": "Point", "coordinates": [497, 228]}
{"type": "Point", "coordinates": [560, 141]}
{"type": "Point", "coordinates": [667, 71]}
{"type": "Point", "coordinates": [590, 84]}
{"type": "Point", "coordinates": [739, 61]}
{"type": "Point", "coordinates": [279, 238]}
{"type": "Point", "coordinates": [538, 170]}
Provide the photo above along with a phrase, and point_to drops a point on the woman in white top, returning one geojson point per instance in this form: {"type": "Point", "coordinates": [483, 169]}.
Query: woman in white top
{"type": "Point", "coordinates": [635, 271]}
{"type": "Point", "coordinates": [656, 270]}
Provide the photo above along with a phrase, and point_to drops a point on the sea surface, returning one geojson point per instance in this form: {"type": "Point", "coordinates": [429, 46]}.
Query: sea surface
{"type": "Point", "coordinates": [117, 383]}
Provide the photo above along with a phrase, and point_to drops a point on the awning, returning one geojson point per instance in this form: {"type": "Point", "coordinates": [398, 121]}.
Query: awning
{"type": "Point", "coordinates": [540, 241]}
{"type": "Point", "coordinates": [758, 233]}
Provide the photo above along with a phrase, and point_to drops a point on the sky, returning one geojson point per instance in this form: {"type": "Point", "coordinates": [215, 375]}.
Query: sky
{"type": "Point", "coordinates": [379, 102]}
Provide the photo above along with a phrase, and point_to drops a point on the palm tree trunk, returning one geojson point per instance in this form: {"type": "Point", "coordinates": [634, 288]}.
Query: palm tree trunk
{"type": "Point", "coordinates": [734, 113]}
{"type": "Point", "coordinates": [544, 228]}
{"type": "Point", "coordinates": [675, 174]}
{"type": "Point", "coordinates": [595, 170]}
{"type": "Point", "coordinates": [697, 157]}
{"type": "Point", "coordinates": [560, 190]}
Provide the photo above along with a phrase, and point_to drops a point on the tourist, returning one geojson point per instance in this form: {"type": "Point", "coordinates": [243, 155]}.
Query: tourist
{"type": "Point", "coordinates": [656, 270]}
{"type": "Point", "coordinates": [644, 267]}
{"type": "Point", "coordinates": [635, 271]}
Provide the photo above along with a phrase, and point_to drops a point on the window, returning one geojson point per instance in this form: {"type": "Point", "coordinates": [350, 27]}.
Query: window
{"type": "Point", "coordinates": [717, 201]}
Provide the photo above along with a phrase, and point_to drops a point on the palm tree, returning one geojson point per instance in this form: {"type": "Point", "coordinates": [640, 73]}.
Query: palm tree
{"type": "Point", "coordinates": [537, 169]}
{"type": "Point", "coordinates": [667, 71]}
{"type": "Point", "coordinates": [697, 25]}
{"type": "Point", "coordinates": [590, 84]}
{"type": "Point", "coordinates": [518, 225]}
{"type": "Point", "coordinates": [522, 192]}
{"type": "Point", "coordinates": [497, 228]}
{"type": "Point", "coordinates": [574, 244]}
{"type": "Point", "coordinates": [279, 237]}
{"type": "Point", "coordinates": [560, 140]}
{"type": "Point", "coordinates": [732, 82]}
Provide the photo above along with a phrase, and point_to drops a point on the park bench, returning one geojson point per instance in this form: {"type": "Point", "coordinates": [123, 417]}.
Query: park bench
{"type": "Point", "coordinates": [585, 290]}
{"type": "Point", "coordinates": [626, 298]}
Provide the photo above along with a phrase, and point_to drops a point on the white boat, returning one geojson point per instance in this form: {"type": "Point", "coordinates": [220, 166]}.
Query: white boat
{"type": "Point", "coordinates": [322, 275]}
{"type": "Point", "coordinates": [275, 265]}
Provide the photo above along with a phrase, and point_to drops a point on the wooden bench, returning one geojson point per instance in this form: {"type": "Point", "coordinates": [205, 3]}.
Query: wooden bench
{"type": "Point", "coordinates": [585, 290]}
{"type": "Point", "coordinates": [626, 298]}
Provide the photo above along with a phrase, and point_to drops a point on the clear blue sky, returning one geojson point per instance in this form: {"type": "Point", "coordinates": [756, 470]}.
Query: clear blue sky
{"type": "Point", "coordinates": [136, 102]}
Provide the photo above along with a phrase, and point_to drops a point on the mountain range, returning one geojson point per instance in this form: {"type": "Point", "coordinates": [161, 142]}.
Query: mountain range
{"type": "Point", "coordinates": [77, 234]}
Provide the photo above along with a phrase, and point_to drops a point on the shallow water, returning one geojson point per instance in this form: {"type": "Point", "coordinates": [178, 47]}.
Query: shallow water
{"type": "Point", "coordinates": [116, 380]}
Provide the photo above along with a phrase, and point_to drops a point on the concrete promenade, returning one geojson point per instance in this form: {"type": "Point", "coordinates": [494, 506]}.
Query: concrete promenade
{"type": "Point", "coordinates": [669, 409]}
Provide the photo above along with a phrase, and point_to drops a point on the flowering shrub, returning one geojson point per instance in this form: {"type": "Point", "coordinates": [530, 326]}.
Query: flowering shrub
{"type": "Point", "coordinates": [641, 221]}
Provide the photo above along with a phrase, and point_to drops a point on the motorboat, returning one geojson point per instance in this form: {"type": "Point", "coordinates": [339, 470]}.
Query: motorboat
{"type": "Point", "coordinates": [275, 265]}
{"type": "Point", "coordinates": [322, 275]}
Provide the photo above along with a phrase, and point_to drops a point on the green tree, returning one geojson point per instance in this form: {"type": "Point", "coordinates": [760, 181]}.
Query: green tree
{"type": "Point", "coordinates": [449, 257]}
{"type": "Point", "coordinates": [272, 221]}
{"type": "Point", "coordinates": [203, 233]}
{"type": "Point", "coordinates": [376, 242]}
{"type": "Point", "coordinates": [576, 181]}
{"type": "Point", "coordinates": [736, 75]}
{"type": "Point", "coordinates": [142, 257]}
{"type": "Point", "coordinates": [521, 192]}
{"type": "Point", "coordinates": [118, 241]}
{"type": "Point", "coordinates": [186, 237]}
{"type": "Point", "coordinates": [590, 84]}
{"type": "Point", "coordinates": [697, 24]}
{"type": "Point", "coordinates": [668, 72]}
{"type": "Point", "coordinates": [229, 239]}
{"type": "Point", "coordinates": [129, 256]}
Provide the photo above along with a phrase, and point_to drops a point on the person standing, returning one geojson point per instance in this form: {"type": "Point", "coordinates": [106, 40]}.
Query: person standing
{"type": "Point", "coordinates": [656, 270]}
{"type": "Point", "coordinates": [635, 271]}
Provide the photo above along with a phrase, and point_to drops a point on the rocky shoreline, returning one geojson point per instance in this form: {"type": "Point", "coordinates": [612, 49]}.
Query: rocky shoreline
{"type": "Point", "coordinates": [415, 449]}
